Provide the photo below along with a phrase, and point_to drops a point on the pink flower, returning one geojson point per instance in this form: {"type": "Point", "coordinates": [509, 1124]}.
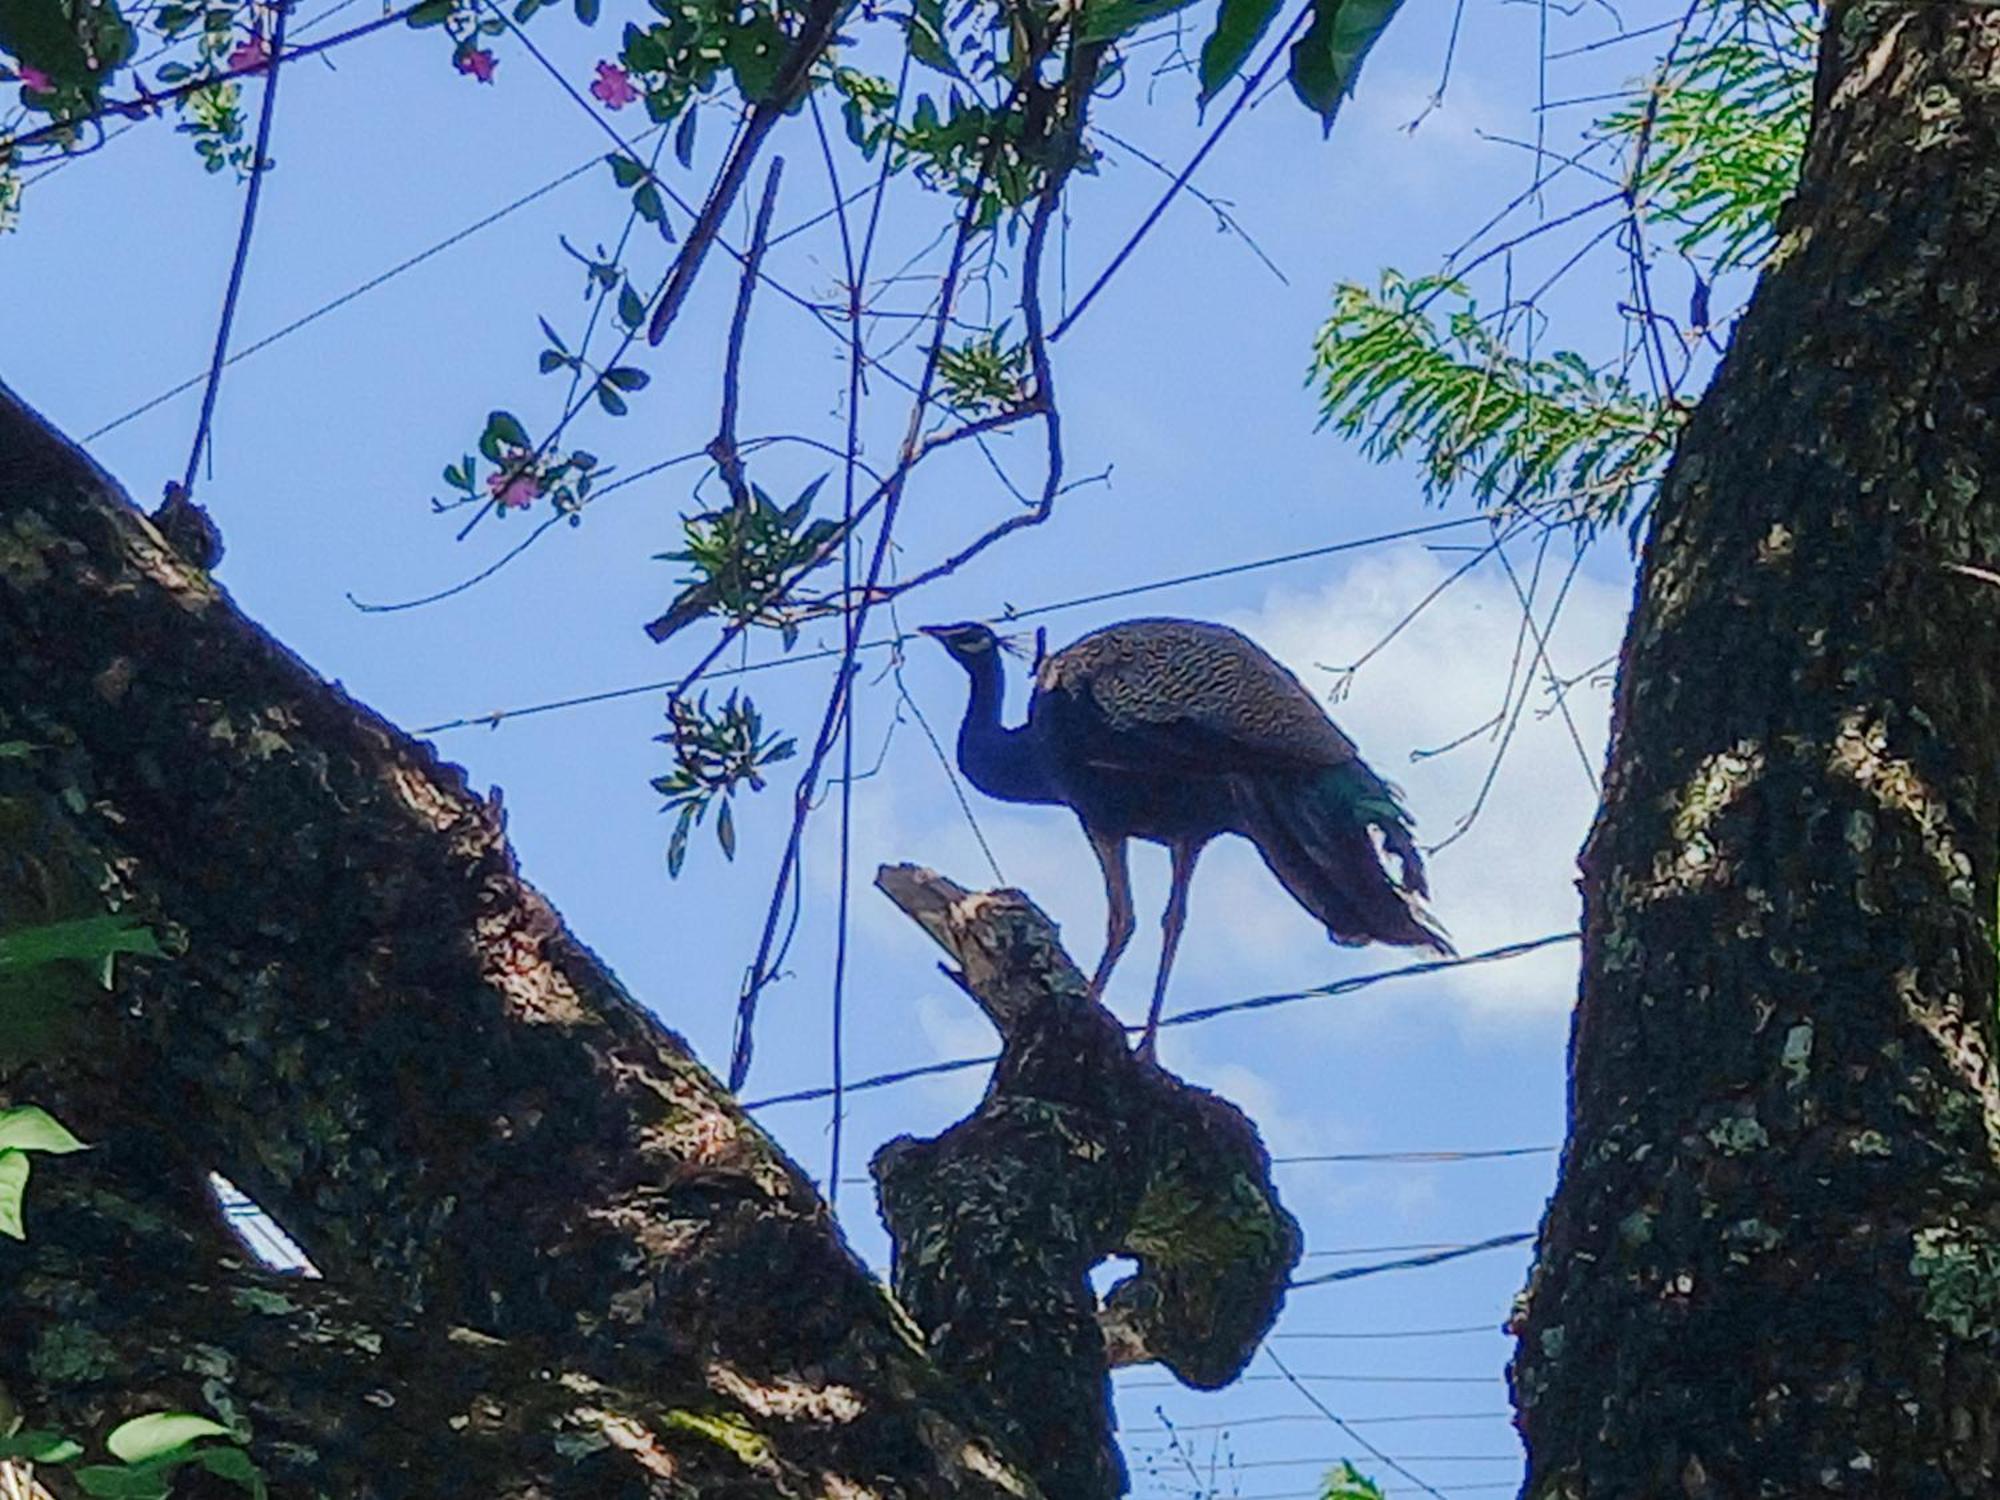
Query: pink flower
{"type": "Point", "coordinates": [250, 56]}
{"type": "Point", "coordinates": [478, 62]}
{"type": "Point", "coordinates": [613, 86]}
{"type": "Point", "coordinates": [36, 81]}
{"type": "Point", "coordinates": [512, 489]}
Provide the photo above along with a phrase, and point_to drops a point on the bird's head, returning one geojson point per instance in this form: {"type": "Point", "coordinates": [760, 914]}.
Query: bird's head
{"type": "Point", "coordinates": [969, 642]}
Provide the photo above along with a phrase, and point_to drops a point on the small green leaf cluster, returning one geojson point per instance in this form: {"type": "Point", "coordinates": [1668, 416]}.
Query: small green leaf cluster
{"type": "Point", "coordinates": [1718, 138]}
{"type": "Point", "coordinates": [520, 473]}
{"type": "Point", "coordinates": [25, 1128]}
{"type": "Point", "coordinates": [213, 114]}
{"type": "Point", "coordinates": [31, 963]}
{"type": "Point", "coordinates": [682, 56]}
{"type": "Point", "coordinates": [464, 21]}
{"type": "Point", "coordinates": [1413, 368]}
{"type": "Point", "coordinates": [743, 555]}
{"type": "Point", "coordinates": [715, 752]}
{"type": "Point", "coordinates": [149, 1450]}
{"type": "Point", "coordinates": [609, 384]}
{"type": "Point", "coordinates": [1345, 1482]}
{"type": "Point", "coordinates": [76, 45]}
{"type": "Point", "coordinates": [984, 374]}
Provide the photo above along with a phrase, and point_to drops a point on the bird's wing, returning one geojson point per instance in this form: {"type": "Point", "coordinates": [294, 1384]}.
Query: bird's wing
{"type": "Point", "coordinates": [1183, 696]}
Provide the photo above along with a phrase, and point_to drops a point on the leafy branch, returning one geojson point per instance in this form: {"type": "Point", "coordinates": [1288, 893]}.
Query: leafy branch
{"type": "Point", "coordinates": [1414, 369]}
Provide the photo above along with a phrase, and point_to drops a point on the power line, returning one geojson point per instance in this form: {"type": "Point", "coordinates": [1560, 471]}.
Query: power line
{"type": "Point", "coordinates": [1328, 991]}
{"type": "Point", "coordinates": [495, 719]}
{"type": "Point", "coordinates": [1326, 1379]}
{"type": "Point", "coordinates": [362, 290]}
{"type": "Point", "coordinates": [1329, 1461]}
{"type": "Point", "coordinates": [1278, 1418]}
{"type": "Point", "coordinates": [1415, 1157]}
{"type": "Point", "coordinates": [1420, 1246]}
{"type": "Point", "coordinates": [1414, 1262]}
{"type": "Point", "coordinates": [1401, 1333]}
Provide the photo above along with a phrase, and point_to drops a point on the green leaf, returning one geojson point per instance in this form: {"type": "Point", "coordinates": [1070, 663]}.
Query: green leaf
{"type": "Point", "coordinates": [1326, 58]}
{"type": "Point", "coordinates": [677, 846]}
{"type": "Point", "coordinates": [15, 749]}
{"type": "Point", "coordinates": [631, 306]}
{"type": "Point", "coordinates": [684, 136]}
{"type": "Point", "coordinates": [507, 429]}
{"type": "Point", "coordinates": [551, 361]}
{"type": "Point", "coordinates": [626, 378]}
{"type": "Point", "coordinates": [13, 1184]}
{"type": "Point", "coordinates": [611, 401]}
{"type": "Point", "coordinates": [725, 831]}
{"type": "Point", "coordinates": [27, 1127]}
{"type": "Point", "coordinates": [586, 11]}
{"type": "Point", "coordinates": [235, 1465]}
{"type": "Point", "coordinates": [430, 13]}
{"type": "Point", "coordinates": [755, 51]}
{"type": "Point", "coordinates": [116, 1482]}
{"type": "Point", "coordinates": [40, 1447]}
{"type": "Point", "coordinates": [1238, 26]}
{"type": "Point", "coordinates": [455, 477]}
{"type": "Point", "coordinates": [628, 172]}
{"type": "Point", "coordinates": [925, 37]}
{"type": "Point", "coordinates": [1107, 20]}
{"type": "Point", "coordinates": [646, 203]}
{"type": "Point", "coordinates": [157, 1433]}
{"type": "Point", "coordinates": [88, 939]}
{"type": "Point", "coordinates": [552, 336]}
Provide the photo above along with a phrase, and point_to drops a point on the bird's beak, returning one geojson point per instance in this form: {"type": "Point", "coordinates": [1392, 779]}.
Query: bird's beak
{"type": "Point", "coordinates": [935, 632]}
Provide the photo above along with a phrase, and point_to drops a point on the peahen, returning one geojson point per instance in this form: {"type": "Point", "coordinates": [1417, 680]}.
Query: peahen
{"type": "Point", "coordinates": [1177, 731]}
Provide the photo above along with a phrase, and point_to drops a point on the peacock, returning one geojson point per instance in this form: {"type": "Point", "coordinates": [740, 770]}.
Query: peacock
{"type": "Point", "coordinates": [1176, 731]}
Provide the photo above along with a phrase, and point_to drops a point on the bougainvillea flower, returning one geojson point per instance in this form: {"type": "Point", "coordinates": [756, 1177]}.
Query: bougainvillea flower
{"type": "Point", "coordinates": [613, 86]}
{"type": "Point", "coordinates": [512, 490]}
{"type": "Point", "coordinates": [37, 81]}
{"type": "Point", "coordinates": [478, 62]}
{"type": "Point", "coordinates": [249, 56]}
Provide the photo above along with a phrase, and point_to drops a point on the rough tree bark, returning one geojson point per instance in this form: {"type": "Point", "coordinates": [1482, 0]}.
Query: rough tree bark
{"type": "Point", "coordinates": [1078, 1153]}
{"type": "Point", "coordinates": [559, 1260]}
{"type": "Point", "coordinates": [1772, 1265]}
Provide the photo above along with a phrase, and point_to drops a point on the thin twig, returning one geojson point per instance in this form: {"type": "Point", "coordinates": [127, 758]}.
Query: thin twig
{"type": "Point", "coordinates": [1124, 253]}
{"type": "Point", "coordinates": [260, 164]}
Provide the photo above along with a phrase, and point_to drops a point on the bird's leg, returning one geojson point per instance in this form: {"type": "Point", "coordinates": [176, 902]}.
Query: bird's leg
{"type": "Point", "coordinates": [1118, 923]}
{"type": "Point", "coordinates": [1185, 853]}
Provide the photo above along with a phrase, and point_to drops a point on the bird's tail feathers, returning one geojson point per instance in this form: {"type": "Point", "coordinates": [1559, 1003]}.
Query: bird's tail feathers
{"type": "Point", "coordinates": [1313, 832]}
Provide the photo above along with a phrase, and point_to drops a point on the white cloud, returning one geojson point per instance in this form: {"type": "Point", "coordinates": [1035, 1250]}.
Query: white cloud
{"type": "Point", "coordinates": [1512, 875]}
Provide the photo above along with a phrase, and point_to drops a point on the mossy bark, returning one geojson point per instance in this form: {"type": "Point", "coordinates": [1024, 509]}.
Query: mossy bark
{"type": "Point", "coordinates": [1772, 1265]}
{"type": "Point", "coordinates": [537, 1214]}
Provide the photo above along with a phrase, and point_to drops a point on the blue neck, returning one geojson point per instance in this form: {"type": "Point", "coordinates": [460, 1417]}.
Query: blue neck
{"type": "Point", "coordinates": [1001, 762]}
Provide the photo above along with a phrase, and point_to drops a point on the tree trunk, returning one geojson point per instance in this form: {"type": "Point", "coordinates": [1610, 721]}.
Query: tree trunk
{"type": "Point", "coordinates": [560, 1261]}
{"type": "Point", "coordinates": [1772, 1265]}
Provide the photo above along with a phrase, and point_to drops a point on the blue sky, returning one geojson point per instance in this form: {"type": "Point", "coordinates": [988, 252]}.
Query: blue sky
{"type": "Point", "coordinates": [1185, 381]}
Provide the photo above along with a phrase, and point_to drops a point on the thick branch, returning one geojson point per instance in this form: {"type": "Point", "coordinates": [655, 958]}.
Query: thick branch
{"type": "Point", "coordinates": [378, 1029]}
{"type": "Point", "coordinates": [1078, 1153]}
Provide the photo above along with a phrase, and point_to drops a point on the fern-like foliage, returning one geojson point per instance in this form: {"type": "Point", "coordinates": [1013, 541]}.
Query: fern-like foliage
{"type": "Point", "coordinates": [1413, 369]}
{"type": "Point", "coordinates": [1715, 138]}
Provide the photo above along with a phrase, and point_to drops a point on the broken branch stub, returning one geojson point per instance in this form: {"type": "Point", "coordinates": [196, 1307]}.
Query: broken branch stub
{"type": "Point", "coordinates": [1079, 1152]}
